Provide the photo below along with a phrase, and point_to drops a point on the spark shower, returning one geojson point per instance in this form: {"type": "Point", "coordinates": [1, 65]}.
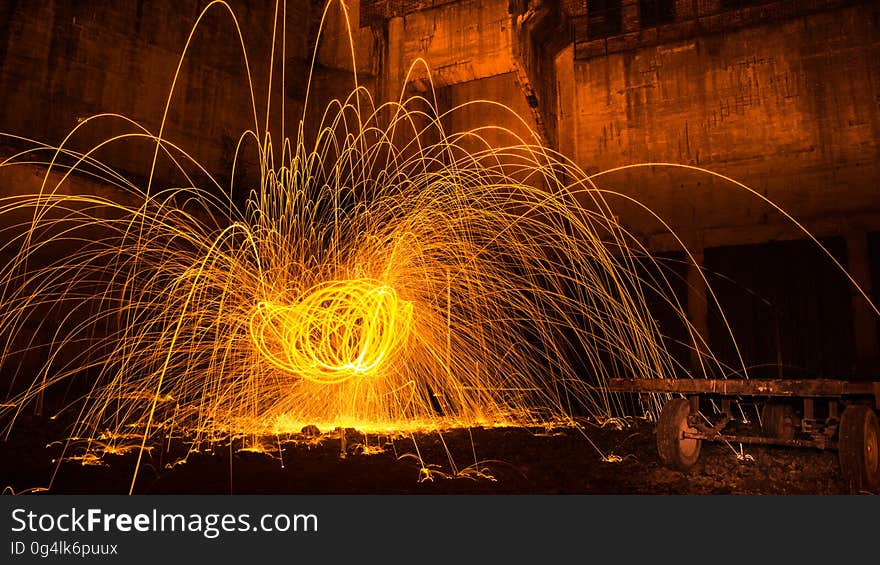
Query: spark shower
{"type": "Point", "coordinates": [386, 274]}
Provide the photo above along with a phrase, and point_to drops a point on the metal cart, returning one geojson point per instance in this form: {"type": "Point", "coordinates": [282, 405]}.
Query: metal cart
{"type": "Point", "coordinates": [836, 414]}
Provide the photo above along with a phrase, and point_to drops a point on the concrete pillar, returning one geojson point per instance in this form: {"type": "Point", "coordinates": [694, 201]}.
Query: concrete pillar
{"type": "Point", "coordinates": [864, 317]}
{"type": "Point", "coordinates": [697, 308]}
{"type": "Point", "coordinates": [393, 71]}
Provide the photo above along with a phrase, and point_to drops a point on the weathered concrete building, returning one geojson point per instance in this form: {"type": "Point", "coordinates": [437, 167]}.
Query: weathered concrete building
{"type": "Point", "coordinates": [782, 96]}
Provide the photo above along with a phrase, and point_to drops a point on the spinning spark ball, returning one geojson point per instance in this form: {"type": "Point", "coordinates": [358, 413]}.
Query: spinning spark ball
{"type": "Point", "coordinates": [338, 331]}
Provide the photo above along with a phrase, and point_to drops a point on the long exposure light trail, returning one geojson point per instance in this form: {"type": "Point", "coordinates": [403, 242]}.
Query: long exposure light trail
{"type": "Point", "coordinates": [386, 274]}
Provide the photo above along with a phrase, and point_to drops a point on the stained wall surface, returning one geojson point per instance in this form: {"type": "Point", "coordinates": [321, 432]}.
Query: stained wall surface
{"type": "Point", "coordinates": [62, 61]}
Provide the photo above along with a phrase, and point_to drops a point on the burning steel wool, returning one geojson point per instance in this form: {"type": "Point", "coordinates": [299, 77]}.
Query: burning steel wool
{"type": "Point", "coordinates": [387, 275]}
{"type": "Point", "coordinates": [339, 331]}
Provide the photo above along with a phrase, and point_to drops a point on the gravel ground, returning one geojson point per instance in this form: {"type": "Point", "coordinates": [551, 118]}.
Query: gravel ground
{"type": "Point", "coordinates": [593, 460]}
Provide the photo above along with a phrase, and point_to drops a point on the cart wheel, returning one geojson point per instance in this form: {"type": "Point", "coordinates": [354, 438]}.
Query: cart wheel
{"type": "Point", "coordinates": [676, 451]}
{"type": "Point", "coordinates": [778, 420]}
{"type": "Point", "coordinates": [858, 447]}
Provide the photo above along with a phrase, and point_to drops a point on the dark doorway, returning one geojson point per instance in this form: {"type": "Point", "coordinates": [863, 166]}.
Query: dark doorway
{"type": "Point", "coordinates": [788, 307]}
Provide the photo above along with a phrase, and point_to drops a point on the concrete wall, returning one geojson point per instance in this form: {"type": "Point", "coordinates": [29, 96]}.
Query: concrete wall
{"type": "Point", "coordinates": [468, 47]}
{"type": "Point", "coordinates": [467, 40]}
{"type": "Point", "coordinates": [345, 43]}
{"type": "Point", "coordinates": [61, 61]}
{"type": "Point", "coordinates": [781, 96]}
{"type": "Point", "coordinates": [789, 108]}
{"type": "Point", "coordinates": [513, 115]}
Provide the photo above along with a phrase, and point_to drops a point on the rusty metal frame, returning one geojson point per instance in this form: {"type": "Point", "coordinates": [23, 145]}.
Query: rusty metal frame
{"type": "Point", "coordinates": [808, 388]}
{"type": "Point", "coordinates": [763, 440]}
